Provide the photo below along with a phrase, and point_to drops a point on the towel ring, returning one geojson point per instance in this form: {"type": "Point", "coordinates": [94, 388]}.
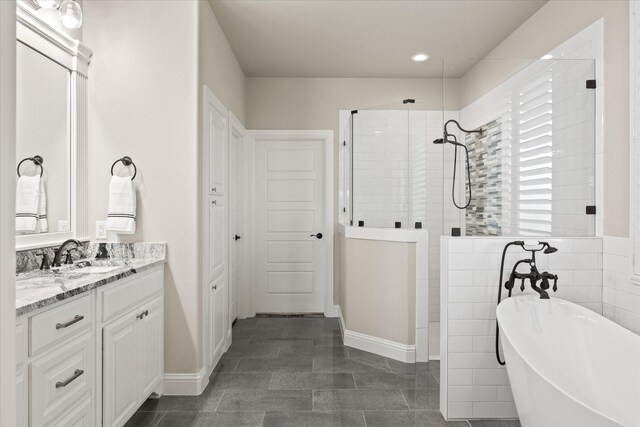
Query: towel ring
{"type": "Point", "coordinates": [37, 160]}
{"type": "Point", "coordinates": [126, 160]}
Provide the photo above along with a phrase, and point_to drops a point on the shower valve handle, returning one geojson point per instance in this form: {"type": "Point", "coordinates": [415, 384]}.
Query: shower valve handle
{"type": "Point", "coordinates": [522, 285]}
{"type": "Point", "coordinates": [555, 284]}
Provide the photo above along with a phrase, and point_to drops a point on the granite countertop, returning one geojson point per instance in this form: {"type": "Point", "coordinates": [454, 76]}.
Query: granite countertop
{"type": "Point", "coordinates": [37, 289]}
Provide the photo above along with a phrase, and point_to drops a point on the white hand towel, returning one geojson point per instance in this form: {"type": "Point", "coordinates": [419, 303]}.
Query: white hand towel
{"type": "Point", "coordinates": [121, 216]}
{"type": "Point", "coordinates": [27, 202]}
{"type": "Point", "coordinates": [43, 224]}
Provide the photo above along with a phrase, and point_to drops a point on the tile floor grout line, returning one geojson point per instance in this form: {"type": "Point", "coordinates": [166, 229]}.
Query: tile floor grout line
{"type": "Point", "coordinates": [405, 399]}
{"type": "Point", "coordinates": [220, 401]}
{"type": "Point", "coordinates": [364, 418]}
{"type": "Point", "coordinates": [270, 381]}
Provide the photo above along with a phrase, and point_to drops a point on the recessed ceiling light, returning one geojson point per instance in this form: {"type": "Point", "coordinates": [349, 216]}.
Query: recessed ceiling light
{"type": "Point", "coordinates": [420, 57]}
{"type": "Point", "coordinates": [547, 56]}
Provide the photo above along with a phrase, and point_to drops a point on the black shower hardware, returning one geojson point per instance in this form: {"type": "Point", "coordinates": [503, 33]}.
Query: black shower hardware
{"type": "Point", "coordinates": [398, 224]}
{"type": "Point", "coordinates": [451, 139]}
{"type": "Point", "coordinates": [126, 160]}
{"type": "Point", "coordinates": [534, 276]}
{"type": "Point", "coordinates": [37, 160]}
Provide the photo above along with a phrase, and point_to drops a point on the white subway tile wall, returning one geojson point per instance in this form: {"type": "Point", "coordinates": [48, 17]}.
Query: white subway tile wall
{"type": "Point", "coordinates": [620, 296]}
{"type": "Point", "coordinates": [472, 383]}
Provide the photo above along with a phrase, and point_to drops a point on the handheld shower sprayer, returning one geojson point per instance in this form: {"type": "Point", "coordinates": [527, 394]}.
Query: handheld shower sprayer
{"type": "Point", "coordinates": [449, 138]}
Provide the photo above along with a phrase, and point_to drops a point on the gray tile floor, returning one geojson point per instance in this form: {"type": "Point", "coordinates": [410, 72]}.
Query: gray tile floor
{"type": "Point", "coordinates": [296, 372]}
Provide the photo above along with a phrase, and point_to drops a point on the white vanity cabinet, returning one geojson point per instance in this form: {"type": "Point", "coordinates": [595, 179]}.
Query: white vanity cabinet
{"type": "Point", "coordinates": [132, 345]}
{"type": "Point", "coordinates": [56, 364]}
{"type": "Point", "coordinates": [92, 359]}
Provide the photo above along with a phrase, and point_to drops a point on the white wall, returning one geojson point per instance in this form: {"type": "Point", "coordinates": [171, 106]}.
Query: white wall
{"type": "Point", "coordinates": [218, 67]}
{"type": "Point", "coordinates": [620, 297]}
{"type": "Point", "coordinates": [143, 103]}
{"type": "Point", "coordinates": [472, 384]}
{"type": "Point", "coordinates": [7, 212]}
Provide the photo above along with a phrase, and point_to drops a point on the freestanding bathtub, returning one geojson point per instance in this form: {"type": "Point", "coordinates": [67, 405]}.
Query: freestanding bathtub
{"type": "Point", "coordinates": [569, 366]}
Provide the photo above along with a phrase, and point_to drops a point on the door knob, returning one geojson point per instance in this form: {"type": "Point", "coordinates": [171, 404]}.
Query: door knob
{"type": "Point", "coordinates": [317, 236]}
{"type": "Point", "coordinates": [236, 237]}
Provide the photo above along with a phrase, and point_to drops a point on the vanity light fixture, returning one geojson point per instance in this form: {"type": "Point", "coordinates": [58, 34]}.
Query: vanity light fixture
{"type": "Point", "coordinates": [69, 11]}
{"type": "Point", "coordinates": [420, 57]}
{"type": "Point", "coordinates": [70, 14]}
{"type": "Point", "coordinates": [48, 4]}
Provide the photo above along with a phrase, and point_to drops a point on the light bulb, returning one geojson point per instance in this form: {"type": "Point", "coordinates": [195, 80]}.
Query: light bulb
{"type": "Point", "coordinates": [420, 57]}
{"type": "Point", "coordinates": [70, 14]}
{"type": "Point", "coordinates": [48, 4]}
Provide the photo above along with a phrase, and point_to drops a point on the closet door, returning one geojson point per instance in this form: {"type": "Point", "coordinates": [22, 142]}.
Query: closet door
{"type": "Point", "coordinates": [216, 136]}
{"type": "Point", "coordinates": [217, 237]}
{"type": "Point", "coordinates": [217, 302]}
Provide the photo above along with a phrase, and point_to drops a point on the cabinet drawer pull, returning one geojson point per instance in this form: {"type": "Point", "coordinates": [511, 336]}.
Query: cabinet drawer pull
{"type": "Point", "coordinates": [215, 202]}
{"type": "Point", "coordinates": [141, 315]}
{"type": "Point", "coordinates": [214, 189]}
{"type": "Point", "coordinates": [76, 319]}
{"type": "Point", "coordinates": [214, 287]}
{"type": "Point", "coordinates": [75, 375]}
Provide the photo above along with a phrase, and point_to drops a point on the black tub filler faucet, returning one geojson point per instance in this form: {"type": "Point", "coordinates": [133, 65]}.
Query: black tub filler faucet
{"type": "Point", "coordinates": [533, 276]}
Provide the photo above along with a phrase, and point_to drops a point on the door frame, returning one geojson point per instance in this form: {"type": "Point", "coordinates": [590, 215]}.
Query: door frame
{"type": "Point", "coordinates": [326, 137]}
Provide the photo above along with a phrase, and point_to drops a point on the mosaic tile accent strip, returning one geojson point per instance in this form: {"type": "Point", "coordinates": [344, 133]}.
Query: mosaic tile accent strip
{"type": "Point", "coordinates": [483, 216]}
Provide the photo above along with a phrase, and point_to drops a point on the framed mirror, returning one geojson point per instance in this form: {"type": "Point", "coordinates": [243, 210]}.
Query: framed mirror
{"type": "Point", "coordinates": [51, 133]}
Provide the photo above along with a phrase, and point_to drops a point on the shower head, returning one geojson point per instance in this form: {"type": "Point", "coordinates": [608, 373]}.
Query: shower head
{"type": "Point", "coordinates": [548, 249]}
{"type": "Point", "coordinates": [449, 139]}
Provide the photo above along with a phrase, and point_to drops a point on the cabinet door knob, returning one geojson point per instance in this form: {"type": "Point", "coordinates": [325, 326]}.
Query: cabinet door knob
{"type": "Point", "coordinates": [237, 237]}
{"type": "Point", "coordinates": [214, 202]}
{"type": "Point", "coordinates": [214, 189]}
{"type": "Point", "coordinates": [214, 287]}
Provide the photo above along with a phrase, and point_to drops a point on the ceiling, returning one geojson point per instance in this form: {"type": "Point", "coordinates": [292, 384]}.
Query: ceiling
{"type": "Point", "coordinates": [350, 38]}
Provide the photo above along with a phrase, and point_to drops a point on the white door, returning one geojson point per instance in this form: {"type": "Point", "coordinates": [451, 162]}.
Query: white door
{"type": "Point", "coordinates": [216, 319]}
{"type": "Point", "coordinates": [215, 139]}
{"type": "Point", "coordinates": [289, 235]}
{"type": "Point", "coordinates": [217, 237]}
{"type": "Point", "coordinates": [236, 212]}
{"type": "Point", "coordinates": [119, 391]}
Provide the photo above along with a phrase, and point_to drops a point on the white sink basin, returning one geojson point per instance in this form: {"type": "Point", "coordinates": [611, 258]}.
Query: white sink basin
{"type": "Point", "coordinates": [97, 269]}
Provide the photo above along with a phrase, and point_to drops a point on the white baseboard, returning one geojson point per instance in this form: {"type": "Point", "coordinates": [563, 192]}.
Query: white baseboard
{"type": "Point", "coordinates": [185, 384]}
{"type": "Point", "coordinates": [391, 349]}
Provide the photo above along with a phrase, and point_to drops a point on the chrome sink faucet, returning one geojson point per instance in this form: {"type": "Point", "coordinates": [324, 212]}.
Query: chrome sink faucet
{"type": "Point", "coordinates": [58, 252]}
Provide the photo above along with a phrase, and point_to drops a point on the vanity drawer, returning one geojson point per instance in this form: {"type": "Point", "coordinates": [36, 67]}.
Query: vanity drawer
{"type": "Point", "coordinates": [60, 380]}
{"type": "Point", "coordinates": [122, 297]}
{"type": "Point", "coordinates": [61, 323]}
